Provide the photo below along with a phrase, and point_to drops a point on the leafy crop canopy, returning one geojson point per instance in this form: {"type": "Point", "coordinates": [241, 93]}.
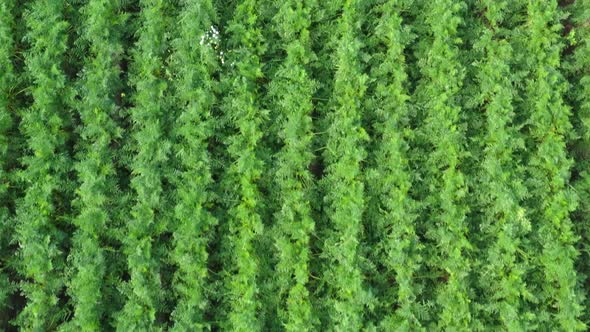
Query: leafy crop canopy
{"type": "Point", "coordinates": [295, 165]}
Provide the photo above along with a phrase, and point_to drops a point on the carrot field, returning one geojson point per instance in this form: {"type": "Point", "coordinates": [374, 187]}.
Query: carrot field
{"type": "Point", "coordinates": [294, 165]}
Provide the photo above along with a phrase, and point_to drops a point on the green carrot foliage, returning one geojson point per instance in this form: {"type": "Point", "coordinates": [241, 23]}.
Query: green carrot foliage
{"type": "Point", "coordinates": [194, 63]}
{"type": "Point", "coordinates": [501, 186]}
{"type": "Point", "coordinates": [442, 76]}
{"type": "Point", "coordinates": [151, 153]}
{"type": "Point", "coordinates": [6, 86]}
{"type": "Point", "coordinates": [244, 118]}
{"type": "Point", "coordinates": [293, 89]}
{"type": "Point", "coordinates": [390, 180]}
{"type": "Point", "coordinates": [294, 165]}
{"type": "Point", "coordinates": [95, 161]}
{"type": "Point", "coordinates": [549, 170]}
{"type": "Point", "coordinates": [45, 166]}
{"type": "Point", "coordinates": [346, 296]}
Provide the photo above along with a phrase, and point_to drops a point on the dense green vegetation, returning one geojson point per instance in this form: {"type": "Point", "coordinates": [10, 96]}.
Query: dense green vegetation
{"type": "Point", "coordinates": [292, 90]}
{"type": "Point", "coordinates": [548, 171]}
{"type": "Point", "coordinates": [390, 179]}
{"type": "Point", "coordinates": [303, 165]}
{"type": "Point", "coordinates": [45, 167]}
{"type": "Point", "coordinates": [194, 66]}
{"type": "Point", "coordinates": [151, 150]}
{"type": "Point", "coordinates": [6, 86]}
{"type": "Point", "coordinates": [504, 221]}
{"type": "Point", "coordinates": [94, 163]}
{"type": "Point", "coordinates": [444, 139]}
